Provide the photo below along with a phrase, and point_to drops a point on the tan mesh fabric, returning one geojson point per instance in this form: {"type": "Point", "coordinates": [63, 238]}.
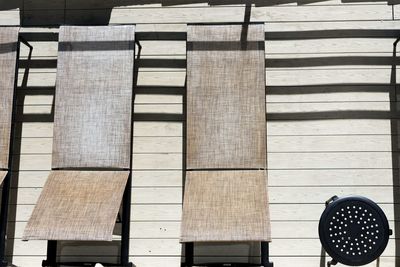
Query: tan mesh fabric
{"type": "Point", "coordinates": [225, 206]}
{"type": "Point", "coordinates": [93, 104]}
{"type": "Point", "coordinates": [77, 205]}
{"type": "Point", "coordinates": [226, 122]}
{"type": "Point", "coordinates": [8, 57]}
{"type": "Point", "coordinates": [3, 175]}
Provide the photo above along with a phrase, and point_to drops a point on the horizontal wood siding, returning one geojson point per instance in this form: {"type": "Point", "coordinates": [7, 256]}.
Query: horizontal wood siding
{"type": "Point", "coordinates": [332, 124]}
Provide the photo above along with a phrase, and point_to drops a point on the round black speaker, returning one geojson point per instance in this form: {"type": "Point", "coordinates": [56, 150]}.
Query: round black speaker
{"type": "Point", "coordinates": [353, 230]}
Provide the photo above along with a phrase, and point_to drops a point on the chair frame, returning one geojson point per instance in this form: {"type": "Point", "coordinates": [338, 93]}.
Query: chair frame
{"type": "Point", "coordinates": [265, 262]}
{"type": "Point", "coordinates": [264, 245]}
{"type": "Point", "coordinates": [5, 197]}
{"type": "Point", "coordinates": [51, 254]}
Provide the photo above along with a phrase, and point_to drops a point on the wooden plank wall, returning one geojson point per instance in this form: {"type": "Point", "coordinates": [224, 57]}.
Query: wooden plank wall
{"type": "Point", "coordinates": [332, 120]}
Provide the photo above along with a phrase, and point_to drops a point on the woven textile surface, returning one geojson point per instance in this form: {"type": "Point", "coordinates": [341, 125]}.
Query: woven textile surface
{"type": "Point", "coordinates": [226, 121]}
{"type": "Point", "coordinates": [93, 104]}
{"type": "Point", "coordinates": [225, 206]}
{"type": "Point", "coordinates": [8, 57]}
{"type": "Point", "coordinates": [3, 175]}
{"type": "Point", "coordinates": [77, 205]}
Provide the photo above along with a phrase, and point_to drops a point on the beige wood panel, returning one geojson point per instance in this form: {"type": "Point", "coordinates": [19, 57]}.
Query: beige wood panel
{"type": "Point", "coordinates": [172, 247]}
{"type": "Point", "coordinates": [141, 230]}
{"type": "Point", "coordinates": [314, 160]}
{"type": "Point", "coordinates": [31, 261]}
{"type": "Point", "coordinates": [342, 177]}
{"type": "Point", "coordinates": [172, 212]}
{"type": "Point", "coordinates": [332, 76]}
{"type": "Point", "coordinates": [151, 15]}
{"type": "Point", "coordinates": [293, 111]}
{"type": "Point", "coordinates": [275, 94]}
{"type": "Point", "coordinates": [141, 128]}
{"type": "Point", "coordinates": [92, 4]}
{"type": "Point", "coordinates": [157, 178]}
{"type": "Point", "coordinates": [335, 27]}
{"type": "Point", "coordinates": [333, 45]}
{"type": "Point", "coordinates": [343, 143]}
{"type": "Point", "coordinates": [289, 127]}
{"type": "Point", "coordinates": [328, 93]}
{"type": "Point", "coordinates": [315, 177]}
{"type": "Point", "coordinates": [277, 194]}
{"type": "Point", "coordinates": [365, 38]}
{"type": "Point", "coordinates": [324, 143]}
{"type": "Point", "coordinates": [144, 212]}
{"type": "Point", "coordinates": [10, 17]}
{"type": "Point", "coordinates": [149, 178]}
{"type": "Point", "coordinates": [162, 15]}
{"type": "Point", "coordinates": [339, 160]}
{"type": "Point", "coordinates": [328, 127]}
{"type": "Point", "coordinates": [161, 109]}
{"type": "Point", "coordinates": [40, 129]}
{"type": "Point", "coordinates": [158, 128]}
{"type": "Point", "coordinates": [158, 161]}
{"type": "Point", "coordinates": [229, 14]}
{"type": "Point", "coordinates": [225, 97]}
{"type": "Point", "coordinates": [76, 4]}
{"type": "Point", "coordinates": [305, 212]}
{"type": "Point", "coordinates": [295, 160]}
{"type": "Point", "coordinates": [276, 48]}
{"type": "Point", "coordinates": [141, 145]}
{"type": "Point", "coordinates": [171, 230]}
{"type": "Point", "coordinates": [297, 77]}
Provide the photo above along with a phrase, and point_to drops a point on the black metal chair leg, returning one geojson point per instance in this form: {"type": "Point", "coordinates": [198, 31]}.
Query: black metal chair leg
{"type": "Point", "coordinates": [332, 262]}
{"type": "Point", "coordinates": [25, 42]}
{"type": "Point", "coordinates": [265, 255]}
{"type": "Point", "coordinates": [126, 214]}
{"type": "Point", "coordinates": [189, 255]}
{"type": "Point", "coordinates": [138, 44]}
{"type": "Point", "coordinates": [51, 260]}
{"type": "Point", "coordinates": [7, 181]}
{"type": "Point", "coordinates": [3, 220]}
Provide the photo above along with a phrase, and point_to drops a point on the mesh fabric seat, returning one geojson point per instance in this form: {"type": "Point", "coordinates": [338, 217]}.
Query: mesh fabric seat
{"type": "Point", "coordinates": [8, 64]}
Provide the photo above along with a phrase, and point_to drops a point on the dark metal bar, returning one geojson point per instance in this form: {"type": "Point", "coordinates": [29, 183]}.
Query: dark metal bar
{"type": "Point", "coordinates": [7, 181]}
{"type": "Point", "coordinates": [230, 264]}
{"type": "Point", "coordinates": [126, 202]}
{"type": "Point", "coordinates": [189, 254]}
{"type": "Point", "coordinates": [226, 23]}
{"type": "Point", "coordinates": [3, 221]}
{"type": "Point", "coordinates": [126, 215]}
{"type": "Point", "coordinates": [265, 255]}
{"type": "Point", "coordinates": [25, 42]}
{"type": "Point", "coordinates": [51, 260]}
{"type": "Point", "coordinates": [138, 44]}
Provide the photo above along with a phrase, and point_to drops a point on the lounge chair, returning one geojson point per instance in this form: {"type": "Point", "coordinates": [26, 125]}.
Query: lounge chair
{"type": "Point", "coordinates": [225, 197]}
{"type": "Point", "coordinates": [9, 53]}
{"type": "Point", "coordinates": [92, 144]}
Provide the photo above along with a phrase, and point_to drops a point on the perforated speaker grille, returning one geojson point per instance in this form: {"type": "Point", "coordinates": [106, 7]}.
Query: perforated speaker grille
{"type": "Point", "coordinates": [354, 230]}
